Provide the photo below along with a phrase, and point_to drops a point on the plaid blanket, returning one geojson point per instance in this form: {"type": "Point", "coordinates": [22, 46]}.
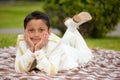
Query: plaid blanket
{"type": "Point", "coordinates": [104, 66]}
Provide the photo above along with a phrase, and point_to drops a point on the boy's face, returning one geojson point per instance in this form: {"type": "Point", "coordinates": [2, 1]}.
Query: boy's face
{"type": "Point", "coordinates": [35, 29]}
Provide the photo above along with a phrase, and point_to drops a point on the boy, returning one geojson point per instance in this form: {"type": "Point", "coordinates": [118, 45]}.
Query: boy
{"type": "Point", "coordinates": [41, 49]}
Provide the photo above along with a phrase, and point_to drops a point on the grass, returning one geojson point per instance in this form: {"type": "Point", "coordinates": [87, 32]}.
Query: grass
{"type": "Point", "coordinates": [12, 15]}
{"type": "Point", "coordinates": [112, 43]}
{"type": "Point", "coordinates": [7, 40]}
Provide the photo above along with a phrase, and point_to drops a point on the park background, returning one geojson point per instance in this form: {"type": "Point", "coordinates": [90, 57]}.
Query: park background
{"type": "Point", "coordinates": [105, 15]}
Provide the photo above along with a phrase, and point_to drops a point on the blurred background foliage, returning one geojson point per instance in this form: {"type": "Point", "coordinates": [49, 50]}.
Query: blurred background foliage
{"type": "Point", "coordinates": [105, 13]}
{"type": "Point", "coordinates": [12, 12]}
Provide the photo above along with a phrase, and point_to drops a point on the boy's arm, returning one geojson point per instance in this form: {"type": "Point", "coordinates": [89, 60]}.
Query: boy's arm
{"type": "Point", "coordinates": [24, 57]}
{"type": "Point", "coordinates": [48, 65]}
{"type": "Point", "coordinates": [48, 61]}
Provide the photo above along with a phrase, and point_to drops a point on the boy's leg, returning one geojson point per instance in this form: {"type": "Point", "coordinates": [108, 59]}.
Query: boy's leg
{"type": "Point", "coordinates": [76, 47]}
{"type": "Point", "coordinates": [72, 36]}
{"type": "Point", "coordinates": [74, 39]}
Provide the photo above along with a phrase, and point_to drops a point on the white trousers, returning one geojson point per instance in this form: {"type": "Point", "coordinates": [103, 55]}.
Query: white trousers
{"type": "Point", "coordinates": [73, 49]}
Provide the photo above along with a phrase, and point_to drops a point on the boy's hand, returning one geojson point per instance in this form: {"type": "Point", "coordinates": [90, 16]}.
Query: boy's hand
{"type": "Point", "coordinates": [29, 41]}
{"type": "Point", "coordinates": [43, 41]}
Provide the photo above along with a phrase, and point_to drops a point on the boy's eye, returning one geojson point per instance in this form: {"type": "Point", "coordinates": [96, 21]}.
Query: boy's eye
{"type": "Point", "coordinates": [41, 30]}
{"type": "Point", "coordinates": [31, 30]}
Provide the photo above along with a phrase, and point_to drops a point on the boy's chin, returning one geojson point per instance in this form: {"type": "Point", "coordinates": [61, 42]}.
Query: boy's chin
{"type": "Point", "coordinates": [35, 43]}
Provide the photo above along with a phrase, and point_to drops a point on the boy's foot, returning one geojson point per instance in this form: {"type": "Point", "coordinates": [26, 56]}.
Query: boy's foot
{"type": "Point", "coordinates": [77, 20]}
{"type": "Point", "coordinates": [82, 17]}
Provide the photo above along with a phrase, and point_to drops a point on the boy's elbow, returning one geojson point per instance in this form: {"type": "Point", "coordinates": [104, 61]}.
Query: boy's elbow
{"type": "Point", "coordinates": [51, 70]}
{"type": "Point", "coordinates": [20, 68]}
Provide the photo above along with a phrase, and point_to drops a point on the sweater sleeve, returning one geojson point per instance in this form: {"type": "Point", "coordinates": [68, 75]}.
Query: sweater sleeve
{"type": "Point", "coordinates": [49, 65]}
{"type": "Point", "coordinates": [47, 61]}
{"type": "Point", "coordinates": [24, 57]}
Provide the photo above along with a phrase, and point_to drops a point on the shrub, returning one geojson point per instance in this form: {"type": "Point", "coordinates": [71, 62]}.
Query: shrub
{"type": "Point", "coordinates": [105, 14]}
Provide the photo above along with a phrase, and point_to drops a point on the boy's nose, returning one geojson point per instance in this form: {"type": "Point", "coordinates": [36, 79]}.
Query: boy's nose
{"type": "Point", "coordinates": [36, 33]}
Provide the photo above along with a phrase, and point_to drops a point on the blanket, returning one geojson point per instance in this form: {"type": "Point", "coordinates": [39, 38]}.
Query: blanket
{"type": "Point", "coordinates": [104, 66]}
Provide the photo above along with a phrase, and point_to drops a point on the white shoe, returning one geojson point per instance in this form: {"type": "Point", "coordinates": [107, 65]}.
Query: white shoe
{"type": "Point", "coordinates": [82, 17]}
{"type": "Point", "coordinates": [77, 20]}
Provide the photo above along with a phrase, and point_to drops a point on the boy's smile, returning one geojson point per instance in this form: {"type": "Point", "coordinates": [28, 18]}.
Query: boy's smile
{"type": "Point", "coordinates": [35, 41]}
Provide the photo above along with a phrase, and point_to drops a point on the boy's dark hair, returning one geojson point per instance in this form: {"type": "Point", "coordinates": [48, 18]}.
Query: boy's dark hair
{"type": "Point", "coordinates": [36, 15]}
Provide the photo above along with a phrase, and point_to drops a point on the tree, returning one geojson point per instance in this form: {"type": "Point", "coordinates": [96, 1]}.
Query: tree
{"type": "Point", "coordinates": [105, 14]}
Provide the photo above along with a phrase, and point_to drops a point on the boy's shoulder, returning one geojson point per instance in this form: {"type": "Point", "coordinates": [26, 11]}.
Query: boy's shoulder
{"type": "Point", "coordinates": [20, 37]}
{"type": "Point", "coordinates": [54, 38]}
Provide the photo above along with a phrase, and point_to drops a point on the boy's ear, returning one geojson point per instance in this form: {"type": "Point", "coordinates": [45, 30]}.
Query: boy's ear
{"type": "Point", "coordinates": [49, 31]}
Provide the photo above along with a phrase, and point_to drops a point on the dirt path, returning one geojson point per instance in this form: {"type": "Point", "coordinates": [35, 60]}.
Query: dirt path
{"type": "Point", "coordinates": [11, 31]}
{"type": "Point", "coordinates": [19, 30]}
{"type": "Point", "coordinates": [116, 32]}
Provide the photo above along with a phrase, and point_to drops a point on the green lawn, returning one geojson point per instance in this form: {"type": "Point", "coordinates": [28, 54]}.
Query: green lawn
{"type": "Point", "coordinates": [112, 43]}
{"type": "Point", "coordinates": [12, 15]}
{"type": "Point", "coordinates": [7, 40]}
